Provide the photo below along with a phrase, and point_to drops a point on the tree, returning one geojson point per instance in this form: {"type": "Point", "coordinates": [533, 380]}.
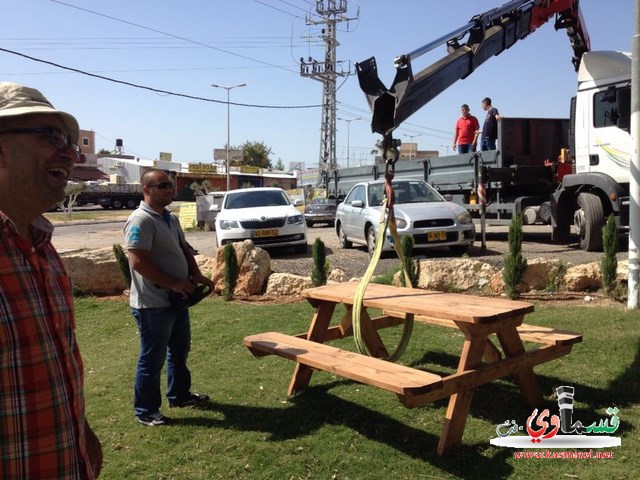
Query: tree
{"type": "Point", "coordinates": [72, 190]}
{"type": "Point", "coordinates": [202, 188]}
{"type": "Point", "coordinates": [515, 264]}
{"type": "Point", "coordinates": [256, 154]}
{"type": "Point", "coordinates": [279, 165]}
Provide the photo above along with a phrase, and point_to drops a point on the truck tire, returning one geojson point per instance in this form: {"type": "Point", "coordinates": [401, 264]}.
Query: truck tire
{"type": "Point", "coordinates": [132, 203]}
{"type": "Point", "coordinates": [117, 204]}
{"type": "Point", "coordinates": [589, 219]}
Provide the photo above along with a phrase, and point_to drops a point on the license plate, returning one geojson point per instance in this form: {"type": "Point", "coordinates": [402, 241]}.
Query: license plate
{"type": "Point", "coordinates": [436, 236]}
{"type": "Point", "coordinates": [269, 232]}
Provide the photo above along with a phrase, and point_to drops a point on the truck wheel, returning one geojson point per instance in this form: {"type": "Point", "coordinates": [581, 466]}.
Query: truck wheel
{"type": "Point", "coordinates": [342, 237]}
{"type": "Point", "coordinates": [131, 203]}
{"type": "Point", "coordinates": [117, 204]}
{"type": "Point", "coordinates": [589, 219]}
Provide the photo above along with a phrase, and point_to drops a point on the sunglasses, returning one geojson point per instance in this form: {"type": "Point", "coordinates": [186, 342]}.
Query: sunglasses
{"type": "Point", "coordinates": [162, 185]}
{"type": "Point", "coordinates": [55, 136]}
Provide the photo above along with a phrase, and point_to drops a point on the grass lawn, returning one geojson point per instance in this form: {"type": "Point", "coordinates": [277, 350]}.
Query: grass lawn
{"type": "Point", "coordinates": [338, 429]}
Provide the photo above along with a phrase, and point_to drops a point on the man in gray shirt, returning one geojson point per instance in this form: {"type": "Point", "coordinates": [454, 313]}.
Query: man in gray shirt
{"type": "Point", "coordinates": [160, 263]}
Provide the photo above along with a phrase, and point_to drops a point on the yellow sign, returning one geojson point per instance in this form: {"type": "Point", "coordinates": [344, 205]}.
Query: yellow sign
{"type": "Point", "coordinates": [165, 156]}
{"type": "Point", "coordinates": [250, 169]}
{"type": "Point", "coordinates": [202, 168]}
{"type": "Point", "coordinates": [187, 215]}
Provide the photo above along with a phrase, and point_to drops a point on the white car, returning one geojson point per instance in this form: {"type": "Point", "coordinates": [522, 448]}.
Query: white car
{"type": "Point", "coordinates": [264, 215]}
{"type": "Point", "coordinates": [419, 209]}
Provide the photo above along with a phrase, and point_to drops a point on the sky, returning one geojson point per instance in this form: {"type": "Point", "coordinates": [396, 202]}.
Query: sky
{"type": "Point", "coordinates": [185, 46]}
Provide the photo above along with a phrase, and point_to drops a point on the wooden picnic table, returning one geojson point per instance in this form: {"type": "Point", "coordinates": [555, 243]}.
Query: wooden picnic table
{"type": "Point", "coordinates": [478, 318]}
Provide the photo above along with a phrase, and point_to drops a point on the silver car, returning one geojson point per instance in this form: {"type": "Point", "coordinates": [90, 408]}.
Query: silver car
{"type": "Point", "coordinates": [420, 211]}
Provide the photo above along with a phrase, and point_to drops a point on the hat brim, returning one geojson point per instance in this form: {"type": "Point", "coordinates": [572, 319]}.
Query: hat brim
{"type": "Point", "coordinates": [70, 122]}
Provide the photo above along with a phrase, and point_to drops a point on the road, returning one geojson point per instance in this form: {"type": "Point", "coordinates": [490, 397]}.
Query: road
{"type": "Point", "coordinates": [536, 243]}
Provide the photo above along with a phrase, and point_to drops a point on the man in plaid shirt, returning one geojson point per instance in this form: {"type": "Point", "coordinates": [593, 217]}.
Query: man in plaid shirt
{"type": "Point", "coordinates": [43, 430]}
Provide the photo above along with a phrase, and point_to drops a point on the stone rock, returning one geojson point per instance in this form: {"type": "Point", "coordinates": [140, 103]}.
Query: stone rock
{"type": "Point", "coordinates": [337, 275]}
{"type": "Point", "coordinates": [207, 265]}
{"type": "Point", "coordinates": [287, 284]}
{"type": "Point", "coordinates": [622, 272]}
{"type": "Point", "coordinates": [94, 271]}
{"type": "Point", "coordinates": [583, 278]}
{"type": "Point", "coordinates": [538, 274]}
{"type": "Point", "coordinates": [254, 265]}
{"type": "Point", "coordinates": [460, 274]}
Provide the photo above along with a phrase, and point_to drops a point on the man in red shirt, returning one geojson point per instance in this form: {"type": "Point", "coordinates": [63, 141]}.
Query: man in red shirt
{"type": "Point", "coordinates": [465, 137]}
{"type": "Point", "coordinates": [43, 430]}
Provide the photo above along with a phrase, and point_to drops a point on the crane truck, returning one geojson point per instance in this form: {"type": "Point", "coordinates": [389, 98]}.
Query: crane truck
{"type": "Point", "coordinates": [571, 173]}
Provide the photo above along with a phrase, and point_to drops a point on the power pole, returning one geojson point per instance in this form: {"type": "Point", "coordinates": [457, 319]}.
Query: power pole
{"type": "Point", "coordinates": [633, 296]}
{"type": "Point", "coordinates": [331, 13]}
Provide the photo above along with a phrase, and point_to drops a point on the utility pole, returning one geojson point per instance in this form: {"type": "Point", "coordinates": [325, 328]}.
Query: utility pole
{"type": "Point", "coordinates": [348, 120]}
{"type": "Point", "coordinates": [633, 297]}
{"type": "Point", "coordinates": [331, 12]}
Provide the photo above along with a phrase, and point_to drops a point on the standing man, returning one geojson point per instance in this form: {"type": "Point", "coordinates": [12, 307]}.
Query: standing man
{"type": "Point", "coordinates": [466, 133]}
{"type": "Point", "coordinates": [490, 125]}
{"type": "Point", "coordinates": [160, 263]}
{"type": "Point", "coordinates": [43, 429]}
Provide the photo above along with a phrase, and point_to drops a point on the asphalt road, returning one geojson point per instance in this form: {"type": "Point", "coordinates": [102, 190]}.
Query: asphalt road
{"type": "Point", "coordinates": [536, 243]}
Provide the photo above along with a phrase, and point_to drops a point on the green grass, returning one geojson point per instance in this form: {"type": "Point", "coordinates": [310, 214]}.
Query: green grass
{"type": "Point", "coordinates": [338, 429]}
{"type": "Point", "coordinates": [86, 215]}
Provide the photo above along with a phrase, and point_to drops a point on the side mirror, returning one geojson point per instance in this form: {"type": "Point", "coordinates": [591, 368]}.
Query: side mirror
{"type": "Point", "coordinates": [357, 203]}
{"type": "Point", "coordinates": [623, 104]}
{"type": "Point", "coordinates": [448, 197]}
{"type": "Point", "coordinates": [214, 208]}
{"type": "Point", "coordinates": [298, 203]}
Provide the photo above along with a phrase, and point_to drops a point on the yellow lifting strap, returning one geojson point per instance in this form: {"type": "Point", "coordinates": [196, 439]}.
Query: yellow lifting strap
{"type": "Point", "coordinates": [387, 221]}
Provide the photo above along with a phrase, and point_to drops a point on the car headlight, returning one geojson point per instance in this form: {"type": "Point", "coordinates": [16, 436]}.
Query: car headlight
{"type": "Point", "coordinates": [464, 217]}
{"type": "Point", "coordinates": [401, 223]}
{"type": "Point", "coordinates": [295, 219]}
{"type": "Point", "coordinates": [228, 224]}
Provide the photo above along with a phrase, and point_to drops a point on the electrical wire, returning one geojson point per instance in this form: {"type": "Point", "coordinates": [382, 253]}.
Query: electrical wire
{"type": "Point", "coordinates": [164, 92]}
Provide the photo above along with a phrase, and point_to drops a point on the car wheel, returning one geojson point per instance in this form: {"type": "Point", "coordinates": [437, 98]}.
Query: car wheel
{"type": "Point", "coordinates": [309, 223]}
{"type": "Point", "coordinates": [300, 248]}
{"type": "Point", "coordinates": [371, 240]}
{"type": "Point", "coordinates": [459, 250]}
{"type": "Point", "coordinates": [342, 237]}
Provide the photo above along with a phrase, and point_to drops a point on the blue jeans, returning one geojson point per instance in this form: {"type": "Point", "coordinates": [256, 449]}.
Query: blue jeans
{"type": "Point", "coordinates": [488, 144]}
{"type": "Point", "coordinates": [465, 147]}
{"type": "Point", "coordinates": [164, 332]}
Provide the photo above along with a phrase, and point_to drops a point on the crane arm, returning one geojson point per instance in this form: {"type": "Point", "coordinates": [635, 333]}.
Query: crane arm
{"type": "Point", "coordinates": [487, 35]}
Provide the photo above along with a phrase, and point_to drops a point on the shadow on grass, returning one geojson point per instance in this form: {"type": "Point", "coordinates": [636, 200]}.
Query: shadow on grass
{"type": "Point", "coordinates": [316, 408]}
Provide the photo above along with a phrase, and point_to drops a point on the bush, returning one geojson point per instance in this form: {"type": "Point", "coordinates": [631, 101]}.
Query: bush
{"type": "Point", "coordinates": [514, 263]}
{"type": "Point", "coordinates": [609, 262]}
{"type": "Point", "coordinates": [123, 263]}
{"type": "Point", "coordinates": [412, 265]}
{"type": "Point", "coordinates": [319, 271]}
{"type": "Point", "coordinates": [231, 271]}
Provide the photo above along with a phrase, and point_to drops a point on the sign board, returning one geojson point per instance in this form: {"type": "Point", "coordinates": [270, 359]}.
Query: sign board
{"type": "Point", "coordinates": [187, 215]}
{"type": "Point", "coordinates": [235, 155]}
{"type": "Point", "coordinates": [250, 169]}
{"type": "Point", "coordinates": [202, 168]}
{"type": "Point", "coordinates": [165, 156]}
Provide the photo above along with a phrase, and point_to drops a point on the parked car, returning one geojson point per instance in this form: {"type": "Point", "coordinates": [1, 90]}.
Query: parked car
{"type": "Point", "coordinates": [264, 215]}
{"type": "Point", "coordinates": [420, 211]}
{"type": "Point", "coordinates": [320, 210]}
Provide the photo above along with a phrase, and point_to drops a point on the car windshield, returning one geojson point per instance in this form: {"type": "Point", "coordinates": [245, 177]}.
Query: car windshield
{"type": "Point", "coordinates": [406, 191]}
{"type": "Point", "coordinates": [322, 201]}
{"type": "Point", "coordinates": [266, 198]}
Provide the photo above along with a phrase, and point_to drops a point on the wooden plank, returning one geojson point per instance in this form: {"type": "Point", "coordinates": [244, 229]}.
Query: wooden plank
{"type": "Point", "coordinates": [529, 333]}
{"type": "Point", "coordinates": [451, 306]}
{"type": "Point", "coordinates": [372, 371]}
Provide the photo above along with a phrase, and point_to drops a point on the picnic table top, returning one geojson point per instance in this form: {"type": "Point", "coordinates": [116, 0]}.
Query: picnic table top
{"type": "Point", "coordinates": [451, 306]}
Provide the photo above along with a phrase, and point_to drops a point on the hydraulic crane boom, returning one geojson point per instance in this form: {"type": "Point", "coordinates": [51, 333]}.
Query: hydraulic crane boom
{"type": "Point", "coordinates": [488, 34]}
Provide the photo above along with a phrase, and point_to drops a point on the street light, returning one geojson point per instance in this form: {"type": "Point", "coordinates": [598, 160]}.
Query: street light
{"type": "Point", "coordinates": [447, 147]}
{"type": "Point", "coordinates": [348, 120]}
{"type": "Point", "coordinates": [411, 137]}
{"type": "Point", "coordinates": [228, 126]}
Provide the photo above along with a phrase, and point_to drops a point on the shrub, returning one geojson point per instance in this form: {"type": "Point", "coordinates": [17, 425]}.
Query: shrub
{"type": "Point", "coordinates": [123, 263]}
{"type": "Point", "coordinates": [319, 271]}
{"type": "Point", "coordinates": [231, 271]}
{"type": "Point", "coordinates": [609, 262]}
{"type": "Point", "coordinates": [412, 265]}
{"type": "Point", "coordinates": [514, 263]}
{"type": "Point", "coordinates": [556, 279]}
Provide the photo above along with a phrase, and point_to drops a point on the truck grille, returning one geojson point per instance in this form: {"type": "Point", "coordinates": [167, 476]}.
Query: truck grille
{"type": "Point", "coordinates": [267, 223]}
{"type": "Point", "coordinates": [433, 223]}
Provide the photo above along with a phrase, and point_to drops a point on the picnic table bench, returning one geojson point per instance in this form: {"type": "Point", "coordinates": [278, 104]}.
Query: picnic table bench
{"type": "Point", "coordinates": [478, 318]}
